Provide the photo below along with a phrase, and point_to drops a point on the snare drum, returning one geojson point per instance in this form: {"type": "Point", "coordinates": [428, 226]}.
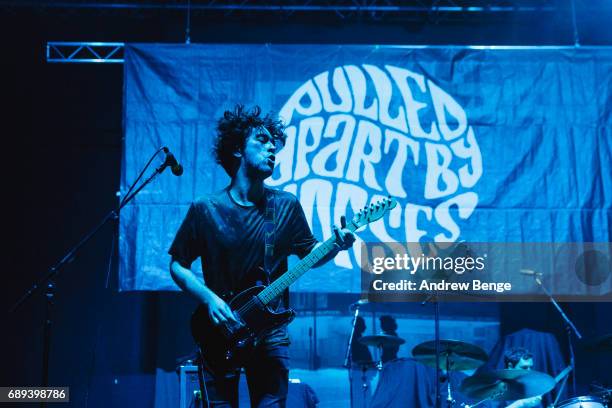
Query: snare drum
{"type": "Point", "coordinates": [583, 402]}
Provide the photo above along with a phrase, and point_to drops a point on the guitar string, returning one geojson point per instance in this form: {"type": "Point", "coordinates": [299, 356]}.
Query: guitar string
{"type": "Point", "coordinates": [252, 302]}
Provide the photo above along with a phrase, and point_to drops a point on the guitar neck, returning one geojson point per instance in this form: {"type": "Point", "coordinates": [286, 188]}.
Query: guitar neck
{"type": "Point", "coordinates": [369, 214]}
{"type": "Point", "coordinates": [277, 287]}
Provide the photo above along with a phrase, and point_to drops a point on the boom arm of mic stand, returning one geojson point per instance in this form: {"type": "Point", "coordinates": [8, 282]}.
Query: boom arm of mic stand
{"type": "Point", "coordinates": [561, 312]}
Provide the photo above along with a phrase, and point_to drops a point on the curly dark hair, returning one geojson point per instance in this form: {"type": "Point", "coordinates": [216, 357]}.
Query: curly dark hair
{"type": "Point", "coordinates": [514, 355]}
{"type": "Point", "coordinates": [388, 324]}
{"type": "Point", "coordinates": [234, 128]}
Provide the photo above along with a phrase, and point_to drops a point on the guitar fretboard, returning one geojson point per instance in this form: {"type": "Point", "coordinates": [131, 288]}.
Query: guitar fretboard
{"type": "Point", "coordinates": [279, 285]}
{"type": "Point", "coordinates": [372, 213]}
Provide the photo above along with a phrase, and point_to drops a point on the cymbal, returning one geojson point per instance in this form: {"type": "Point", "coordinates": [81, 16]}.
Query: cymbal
{"type": "Point", "coordinates": [381, 340]}
{"type": "Point", "coordinates": [507, 385]}
{"type": "Point", "coordinates": [461, 356]}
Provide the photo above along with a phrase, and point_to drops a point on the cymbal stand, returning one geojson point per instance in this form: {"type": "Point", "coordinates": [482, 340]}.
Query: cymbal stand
{"type": "Point", "coordinates": [434, 299]}
{"type": "Point", "coordinates": [364, 384]}
{"type": "Point", "coordinates": [379, 363]}
{"type": "Point", "coordinates": [449, 397]}
{"type": "Point", "coordinates": [604, 392]}
{"type": "Point", "coordinates": [560, 391]}
{"type": "Point", "coordinates": [348, 358]}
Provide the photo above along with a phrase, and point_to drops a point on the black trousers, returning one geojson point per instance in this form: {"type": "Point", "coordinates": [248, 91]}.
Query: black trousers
{"type": "Point", "coordinates": [267, 375]}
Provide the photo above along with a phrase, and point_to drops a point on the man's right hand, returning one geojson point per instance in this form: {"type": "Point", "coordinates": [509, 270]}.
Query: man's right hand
{"type": "Point", "coordinates": [219, 311]}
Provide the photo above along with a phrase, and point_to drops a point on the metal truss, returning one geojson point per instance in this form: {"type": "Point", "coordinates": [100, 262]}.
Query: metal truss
{"type": "Point", "coordinates": [431, 11]}
{"type": "Point", "coordinates": [54, 50]}
{"type": "Point", "coordinates": [397, 11]}
{"type": "Point", "coordinates": [89, 52]}
{"type": "Point", "coordinates": [292, 6]}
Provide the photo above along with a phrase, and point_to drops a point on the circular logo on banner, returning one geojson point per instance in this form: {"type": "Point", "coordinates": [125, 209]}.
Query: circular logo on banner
{"type": "Point", "coordinates": [359, 133]}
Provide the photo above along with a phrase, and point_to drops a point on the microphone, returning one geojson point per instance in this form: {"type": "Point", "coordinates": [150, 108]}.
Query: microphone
{"type": "Point", "coordinates": [530, 272]}
{"type": "Point", "coordinates": [171, 162]}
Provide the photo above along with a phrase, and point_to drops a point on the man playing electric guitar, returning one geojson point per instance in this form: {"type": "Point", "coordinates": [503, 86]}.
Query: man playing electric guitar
{"type": "Point", "coordinates": [243, 235]}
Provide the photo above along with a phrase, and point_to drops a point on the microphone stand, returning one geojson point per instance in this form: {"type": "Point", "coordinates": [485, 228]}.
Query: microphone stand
{"type": "Point", "coordinates": [48, 280]}
{"type": "Point", "coordinates": [348, 358]}
{"type": "Point", "coordinates": [569, 328]}
{"type": "Point", "coordinates": [434, 299]}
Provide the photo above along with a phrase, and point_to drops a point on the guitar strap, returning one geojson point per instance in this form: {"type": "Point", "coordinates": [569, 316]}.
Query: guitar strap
{"type": "Point", "coordinates": [269, 233]}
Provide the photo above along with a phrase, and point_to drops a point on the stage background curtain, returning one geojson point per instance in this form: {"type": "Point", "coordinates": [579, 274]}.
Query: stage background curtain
{"type": "Point", "coordinates": [477, 144]}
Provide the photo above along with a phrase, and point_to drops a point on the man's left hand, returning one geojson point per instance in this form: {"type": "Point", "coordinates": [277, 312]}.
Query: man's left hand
{"type": "Point", "coordinates": [344, 237]}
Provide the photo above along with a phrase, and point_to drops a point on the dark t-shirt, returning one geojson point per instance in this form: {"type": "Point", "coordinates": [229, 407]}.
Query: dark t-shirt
{"type": "Point", "coordinates": [229, 239]}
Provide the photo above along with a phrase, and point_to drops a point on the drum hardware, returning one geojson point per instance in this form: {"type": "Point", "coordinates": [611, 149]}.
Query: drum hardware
{"type": "Point", "coordinates": [507, 385]}
{"type": "Point", "coordinates": [562, 375]}
{"type": "Point", "coordinates": [604, 393]}
{"type": "Point", "coordinates": [455, 355]}
{"type": "Point", "coordinates": [433, 298]}
{"type": "Point", "coordinates": [586, 401]}
{"type": "Point", "coordinates": [451, 355]}
{"type": "Point", "coordinates": [348, 357]}
{"type": "Point", "coordinates": [569, 325]}
{"type": "Point", "coordinates": [600, 399]}
{"type": "Point", "coordinates": [380, 341]}
{"type": "Point", "coordinates": [364, 366]}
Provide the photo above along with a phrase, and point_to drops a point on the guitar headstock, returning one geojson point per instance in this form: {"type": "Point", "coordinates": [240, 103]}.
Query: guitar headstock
{"type": "Point", "coordinates": [373, 212]}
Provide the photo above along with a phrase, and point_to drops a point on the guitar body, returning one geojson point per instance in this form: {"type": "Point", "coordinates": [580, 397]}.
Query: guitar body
{"type": "Point", "coordinates": [226, 348]}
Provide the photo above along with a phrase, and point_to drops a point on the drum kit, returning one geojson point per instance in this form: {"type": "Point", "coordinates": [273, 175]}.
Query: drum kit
{"type": "Point", "coordinates": [379, 341]}
{"type": "Point", "coordinates": [492, 385]}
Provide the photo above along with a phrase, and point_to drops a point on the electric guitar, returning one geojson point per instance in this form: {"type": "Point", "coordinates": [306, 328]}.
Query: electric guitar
{"type": "Point", "coordinates": [225, 347]}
